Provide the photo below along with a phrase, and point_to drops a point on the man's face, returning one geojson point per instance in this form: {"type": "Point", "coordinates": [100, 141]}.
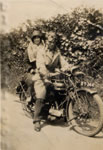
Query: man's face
{"type": "Point", "coordinates": [51, 37]}
{"type": "Point", "coordinates": [36, 40]}
{"type": "Point", "coordinates": [51, 41]}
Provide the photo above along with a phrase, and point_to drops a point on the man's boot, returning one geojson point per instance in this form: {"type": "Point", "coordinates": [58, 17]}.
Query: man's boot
{"type": "Point", "coordinates": [37, 126]}
{"type": "Point", "coordinates": [37, 114]}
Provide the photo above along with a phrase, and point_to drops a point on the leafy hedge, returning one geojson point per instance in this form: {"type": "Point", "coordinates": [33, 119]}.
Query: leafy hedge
{"type": "Point", "coordinates": [80, 41]}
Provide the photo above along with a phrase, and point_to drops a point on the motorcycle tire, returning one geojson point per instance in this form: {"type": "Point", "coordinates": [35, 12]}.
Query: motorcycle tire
{"type": "Point", "coordinates": [87, 116]}
{"type": "Point", "coordinates": [28, 111]}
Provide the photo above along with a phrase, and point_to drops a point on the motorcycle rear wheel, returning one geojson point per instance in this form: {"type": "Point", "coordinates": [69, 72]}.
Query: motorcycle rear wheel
{"type": "Point", "coordinates": [87, 114]}
{"type": "Point", "coordinates": [28, 110]}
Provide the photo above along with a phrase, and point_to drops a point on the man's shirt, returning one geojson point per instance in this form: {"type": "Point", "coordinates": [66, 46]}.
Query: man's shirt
{"type": "Point", "coordinates": [48, 61]}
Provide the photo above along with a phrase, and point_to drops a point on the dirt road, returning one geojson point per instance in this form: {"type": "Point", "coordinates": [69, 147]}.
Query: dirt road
{"type": "Point", "coordinates": [18, 133]}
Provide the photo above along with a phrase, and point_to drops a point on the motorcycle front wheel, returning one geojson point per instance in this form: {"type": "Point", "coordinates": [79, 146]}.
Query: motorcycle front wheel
{"type": "Point", "coordinates": [86, 113]}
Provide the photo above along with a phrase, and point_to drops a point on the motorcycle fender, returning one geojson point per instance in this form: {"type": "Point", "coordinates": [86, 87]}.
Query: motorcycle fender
{"type": "Point", "coordinates": [88, 90]}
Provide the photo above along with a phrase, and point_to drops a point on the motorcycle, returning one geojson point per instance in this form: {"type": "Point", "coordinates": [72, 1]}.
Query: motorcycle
{"type": "Point", "coordinates": [71, 98]}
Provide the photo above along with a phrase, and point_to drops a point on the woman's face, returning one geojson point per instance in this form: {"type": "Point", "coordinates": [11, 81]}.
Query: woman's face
{"type": "Point", "coordinates": [36, 40]}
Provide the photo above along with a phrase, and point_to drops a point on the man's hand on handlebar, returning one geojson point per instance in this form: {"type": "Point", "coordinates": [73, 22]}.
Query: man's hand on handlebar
{"type": "Point", "coordinates": [54, 74]}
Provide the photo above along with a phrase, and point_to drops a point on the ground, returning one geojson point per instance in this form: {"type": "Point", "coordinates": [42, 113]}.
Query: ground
{"type": "Point", "coordinates": [18, 134]}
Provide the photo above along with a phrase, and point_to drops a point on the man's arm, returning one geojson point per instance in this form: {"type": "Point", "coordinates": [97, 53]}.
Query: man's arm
{"type": "Point", "coordinates": [64, 64]}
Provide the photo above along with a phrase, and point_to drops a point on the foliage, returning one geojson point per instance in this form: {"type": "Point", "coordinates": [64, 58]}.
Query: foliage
{"type": "Point", "coordinates": [80, 41]}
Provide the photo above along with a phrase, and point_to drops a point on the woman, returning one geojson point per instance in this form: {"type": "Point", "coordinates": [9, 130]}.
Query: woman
{"type": "Point", "coordinates": [36, 43]}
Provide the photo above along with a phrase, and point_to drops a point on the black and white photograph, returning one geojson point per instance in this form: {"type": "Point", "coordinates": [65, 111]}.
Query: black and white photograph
{"type": "Point", "coordinates": [51, 74]}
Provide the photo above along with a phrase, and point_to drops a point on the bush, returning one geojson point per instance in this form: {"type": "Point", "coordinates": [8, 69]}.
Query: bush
{"type": "Point", "coordinates": [80, 41]}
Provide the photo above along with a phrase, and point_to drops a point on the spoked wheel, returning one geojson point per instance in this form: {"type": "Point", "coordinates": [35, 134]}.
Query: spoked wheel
{"type": "Point", "coordinates": [27, 108]}
{"type": "Point", "coordinates": [86, 113]}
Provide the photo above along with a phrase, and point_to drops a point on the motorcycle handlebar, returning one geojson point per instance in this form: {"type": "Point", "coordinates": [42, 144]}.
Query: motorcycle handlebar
{"type": "Point", "coordinates": [60, 72]}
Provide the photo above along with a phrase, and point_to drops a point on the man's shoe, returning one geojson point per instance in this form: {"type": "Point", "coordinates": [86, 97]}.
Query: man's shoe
{"type": "Point", "coordinates": [37, 126]}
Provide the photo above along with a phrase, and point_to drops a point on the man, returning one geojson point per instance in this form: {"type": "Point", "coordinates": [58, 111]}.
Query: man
{"type": "Point", "coordinates": [46, 62]}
